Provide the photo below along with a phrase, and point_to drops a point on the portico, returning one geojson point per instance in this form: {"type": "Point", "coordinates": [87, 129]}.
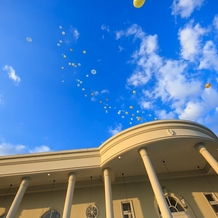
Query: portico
{"type": "Point", "coordinates": [137, 152]}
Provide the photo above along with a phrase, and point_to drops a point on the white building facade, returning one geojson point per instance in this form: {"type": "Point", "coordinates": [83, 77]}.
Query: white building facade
{"type": "Point", "coordinates": [158, 169]}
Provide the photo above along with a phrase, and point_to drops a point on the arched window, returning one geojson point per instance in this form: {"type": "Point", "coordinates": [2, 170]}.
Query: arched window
{"type": "Point", "coordinates": [51, 214]}
{"type": "Point", "coordinates": [174, 204]}
{"type": "Point", "coordinates": [177, 207]}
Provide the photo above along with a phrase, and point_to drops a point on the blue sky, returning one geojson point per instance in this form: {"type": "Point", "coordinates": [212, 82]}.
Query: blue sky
{"type": "Point", "coordinates": [74, 73]}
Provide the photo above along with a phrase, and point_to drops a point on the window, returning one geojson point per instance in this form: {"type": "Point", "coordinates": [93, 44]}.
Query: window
{"type": "Point", "coordinates": [127, 210]}
{"type": "Point", "coordinates": [213, 201]}
{"type": "Point", "coordinates": [177, 207]}
{"type": "Point", "coordinates": [92, 211]}
{"type": "Point", "coordinates": [52, 214]}
{"type": "Point", "coordinates": [174, 205]}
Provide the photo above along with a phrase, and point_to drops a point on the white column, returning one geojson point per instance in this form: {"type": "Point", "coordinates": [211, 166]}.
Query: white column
{"type": "Point", "coordinates": [208, 157]}
{"type": "Point", "coordinates": [155, 184]}
{"type": "Point", "coordinates": [108, 194]}
{"type": "Point", "coordinates": [69, 195]}
{"type": "Point", "coordinates": [18, 198]}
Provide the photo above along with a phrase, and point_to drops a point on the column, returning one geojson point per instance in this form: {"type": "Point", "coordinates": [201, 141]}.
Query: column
{"type": "Point", "coordinates": [69, 195]}
{"type": "Point", "coordinates": [155, 184]}
{"type": "Point", "coordinates": [18, 198]}
{"type": "Point", "coordinates": [108, 194]}
{"type": "Point", "coordinates": [208, 157]}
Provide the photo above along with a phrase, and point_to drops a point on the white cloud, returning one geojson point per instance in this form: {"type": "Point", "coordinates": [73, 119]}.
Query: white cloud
{"type": "Point", "coordinates": [184, 8]}
{"type": "Point", "coordinates": [116, 129]}
{"type": "Point", "coordinates": [11, 73]}
{"type": "Point", "coordinates": [105, 28]}
{"type": "Point", "coordinates": [146, 58]}
{"type": "Point", "coordinates": [211, 120]}
{"type": "Point", "coordinates": [163, 114]}
{"type": "Point", "coordinates": [75, 32]}
{"type": "Point", "coordinates": [209, 58]}
{"type": "Point", "coordinates": [190, 41]}
{"type": "Point", "coordinates": [192, 111]}
{"type": "Point", "coordinates": [11, 149]}
{"type": "Point", "coordinates": [93, 99]}
{"type": "Point", "coordinates": [215, 21]}
{"type": "Point", "coordinates": [199, 110]}
{"type": "Point", "coordinates": [138, 78]}
{"type": "Point", "coordinates": [118, 34]}
{"type": "Point", "coordinates": [120, 48]}
{"type": "Point", "coordinates": [42, 148]}
{"type": "Point", "coordinates": [104, 91]}
{"type": "Point", "coordinates": [145, 104]}
{"type": "Point", "coordinates": [8, 149]}
{"type": "Point", "coordinates": [172, 83]}
{"type": "Point", "coordinates": [176, 85]}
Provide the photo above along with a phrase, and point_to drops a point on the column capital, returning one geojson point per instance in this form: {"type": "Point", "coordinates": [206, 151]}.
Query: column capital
{"type": "Point", "coordinates": [200, 146]}
{"type": "Point", "coordinates": [72, 176]}
{"type": "Point", "coordinates": [25, 178]}
{"type": "Point", "coordinates": [25, 181]}
{"type": "Point", "coordinates": [143, 151]}
{"type": "Point", "coordinates": [106, 172]}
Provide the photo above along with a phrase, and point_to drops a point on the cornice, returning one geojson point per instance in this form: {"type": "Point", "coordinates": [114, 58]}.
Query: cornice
{"type": "Point", "coordinates": [145, 134]}
{"type": "Point", "coordinates": [52, 156]}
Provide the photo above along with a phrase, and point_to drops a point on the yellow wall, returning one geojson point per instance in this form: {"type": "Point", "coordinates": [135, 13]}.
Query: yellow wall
{"type": "Point", "coordinates": [141, 194]}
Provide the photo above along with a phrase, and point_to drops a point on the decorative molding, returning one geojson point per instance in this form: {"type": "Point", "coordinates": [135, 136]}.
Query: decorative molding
{"type": "Point", "coordinates": [171, 132]}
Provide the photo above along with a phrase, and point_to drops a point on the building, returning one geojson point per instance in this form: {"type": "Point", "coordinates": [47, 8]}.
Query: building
{"type": "Point", "coordinates": [159, 169]}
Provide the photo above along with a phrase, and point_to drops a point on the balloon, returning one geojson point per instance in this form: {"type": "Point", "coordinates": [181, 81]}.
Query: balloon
{"type": "Point", "coordinates": [134, 91]}
{"type": "Point", "coordinates": [208, 85]}
{"type": "Point", "coordinates": [71, 49]}
{"type": "Point", "coordinates": [28, 39]}
{"type": "Point", "coordinates": [93, 72]}
{"type": "Point", "coordinates": [138, 3]}
{"type": "Point", "coordinates": [139, 118]}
